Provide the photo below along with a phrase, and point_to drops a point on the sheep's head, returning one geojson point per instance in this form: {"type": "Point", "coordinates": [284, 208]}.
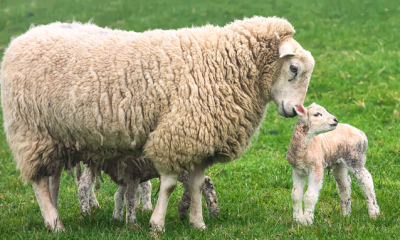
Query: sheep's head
{"type": "Point", "coordinates": [317, 119]}
{"type": "Point", "coordinates": [289, 88]}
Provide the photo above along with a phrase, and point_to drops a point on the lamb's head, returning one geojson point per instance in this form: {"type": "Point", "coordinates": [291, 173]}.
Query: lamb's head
{"type": "Point", "coordinates": [289, 88]}
{"type": "Point", "coordinates": [316, 118]}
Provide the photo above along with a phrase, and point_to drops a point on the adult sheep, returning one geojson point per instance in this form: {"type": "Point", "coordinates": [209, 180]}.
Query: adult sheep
{"type": "Point", "coordinates": [185, 98]}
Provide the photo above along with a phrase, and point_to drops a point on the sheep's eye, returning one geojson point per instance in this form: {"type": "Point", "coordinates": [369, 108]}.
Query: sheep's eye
{"type": "Point", "coordinates": [317, 114]}
{"type": "Point", "coordinates": [293, 68]}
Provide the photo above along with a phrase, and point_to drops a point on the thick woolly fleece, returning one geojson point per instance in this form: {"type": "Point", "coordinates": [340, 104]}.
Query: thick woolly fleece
{"type": "Point", "coordinates": [179, 96]}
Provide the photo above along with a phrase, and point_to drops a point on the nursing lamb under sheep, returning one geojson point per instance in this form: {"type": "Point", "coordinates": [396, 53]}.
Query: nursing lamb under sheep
{"type": "Point", "coordinates": [319, 142]}
{"type": "Point", "coordinates": [133, 175]}
{"type": "Point", "coordinates": [185, 99]}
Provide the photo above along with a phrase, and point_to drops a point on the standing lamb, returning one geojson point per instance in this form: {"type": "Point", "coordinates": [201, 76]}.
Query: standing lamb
{"type": "Point", "coordinates": [128, 174]}
{"type": "Point", "coordinates": [315, 146]}
{"type": "Point", "coordinates": [185, 99]}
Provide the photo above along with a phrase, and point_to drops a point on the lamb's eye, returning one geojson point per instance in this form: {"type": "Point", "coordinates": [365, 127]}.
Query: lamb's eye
{"type": "Point", "coordinates": [293, 68]}
{"type": "Point", "coordinates": [317, 114]}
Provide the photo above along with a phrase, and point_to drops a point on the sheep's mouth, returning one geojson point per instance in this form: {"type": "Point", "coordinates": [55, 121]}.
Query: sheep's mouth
{"type": "Point", "coordinates": [286, 115]}
{"type": "Point", "coordinates": [333, 125]}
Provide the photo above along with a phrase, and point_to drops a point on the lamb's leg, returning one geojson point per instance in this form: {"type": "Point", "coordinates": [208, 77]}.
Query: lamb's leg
{"type": "Point", "coordinates": [312, 193]}
{"type": "Point", "coordinates": [184, 204]}
{"type": "Point", "coordinates": [167, 185]}
{"type": "Point", "coordinates": [85, 190]}
{"type": "Point", "coordinates": [196, 183]}
{"type": "Point", "coordinates": [130, 197]}
{"type": "Point", "coordinates": [299, 181]}
{"type": "Point", "coordinates": [49, 212]}
{"type": "Point", "coordinates": [138, 194]}
{"type": "Point", "coordinates": [54, 184]}
{"type": "Point", "coordinates": [343, 182]}
{"type": "Point", "coordinates": [146, 196]}
{"type": "Point", "coordinates": [210, 196]}
{"type": "Point", "coordinates": [364, 180]}
{"type": "Point", "coordinates": [118, 213]}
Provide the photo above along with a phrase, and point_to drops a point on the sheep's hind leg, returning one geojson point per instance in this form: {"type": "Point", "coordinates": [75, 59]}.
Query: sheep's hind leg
{"type": "Point", "coordinates": [54, 184]}
{"type": "Point", "coordinates": [312, 193]}
{"type": "Point", "coordinates": [118, 213]}
{"type": "Point", "coordinates": [343, 182]}
{"type": "Point", "coordinates": [364, 180]}
{"type": "Point", "coordinates": [210, 195]}
{"type": "Point", "coordinates": [196, 184]}
{"type": "Point", "coordinates": [49, 212]}
{"type": "Point", "coordinates": [167, 186]}
{"type": "Point", "coordinates": [145, 188]}
{"type": "Point", "coordinates": [299, 181]}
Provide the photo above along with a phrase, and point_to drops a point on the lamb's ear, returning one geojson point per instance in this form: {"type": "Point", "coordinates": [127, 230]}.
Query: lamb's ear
{"type": "Point", "coordinates": [286, 50]}
{"type": "Point", "coordinates": [300, 110]}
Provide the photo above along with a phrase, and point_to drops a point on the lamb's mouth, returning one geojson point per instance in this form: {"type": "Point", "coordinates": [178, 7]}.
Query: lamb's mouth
{"type": "Point", "coordinates": [333, 125]}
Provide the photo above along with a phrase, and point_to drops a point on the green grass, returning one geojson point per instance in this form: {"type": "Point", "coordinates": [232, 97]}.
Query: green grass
{"type": "Point", "coordinates": [356, 77]}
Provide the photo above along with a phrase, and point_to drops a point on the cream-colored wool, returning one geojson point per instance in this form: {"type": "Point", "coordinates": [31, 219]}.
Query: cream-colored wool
{"type": "Point", "coordinates": [319, 142]}
{"type": "Point", "coordinates": [73, 92]}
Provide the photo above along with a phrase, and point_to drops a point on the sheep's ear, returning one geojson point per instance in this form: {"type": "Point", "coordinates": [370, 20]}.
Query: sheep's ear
{"type": "Point", "coordinates": [300, 110]}
{"type": "Point", "coordinates": [286, 50]}
{"type": "Point", "coordinates": [313, 104]}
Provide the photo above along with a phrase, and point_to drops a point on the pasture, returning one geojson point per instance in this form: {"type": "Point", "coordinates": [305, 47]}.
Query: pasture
{"type": "Point", "coordinates": [355, 44]}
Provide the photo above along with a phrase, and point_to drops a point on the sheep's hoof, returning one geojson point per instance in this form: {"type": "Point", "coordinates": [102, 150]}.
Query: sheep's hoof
{"type": "Point", "coordinates": [156, 228]}
{"type": "Point", "coordinates": [198, 225]}
{"type": "Point", "coordinates": [374, 214]}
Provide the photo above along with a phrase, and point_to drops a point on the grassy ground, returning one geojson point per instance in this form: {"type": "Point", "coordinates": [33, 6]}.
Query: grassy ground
{"type": "Point", "coordinates": [356, 77]}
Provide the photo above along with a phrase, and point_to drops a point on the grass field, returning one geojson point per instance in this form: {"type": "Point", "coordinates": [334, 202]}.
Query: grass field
{"type": "Point", "coordinates": [356, 77]}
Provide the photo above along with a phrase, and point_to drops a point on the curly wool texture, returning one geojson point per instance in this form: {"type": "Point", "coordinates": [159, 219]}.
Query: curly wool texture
{"type": "Point", "coordinates": [179, 96]}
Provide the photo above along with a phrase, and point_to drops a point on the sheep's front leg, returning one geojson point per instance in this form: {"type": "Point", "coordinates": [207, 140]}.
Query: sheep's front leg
{"type": "Point", "coordinates": [49, 212]}
{"type": "Point", "coordinates": [343, 182]}
{"type": "Point", "coordinates": [312, 193]}
{"type": "Point", "coordinates": [145, 188]}
{"type": "Point", "coordinates": [167, 186]}
{"type": "Point", "coordinates": [364, 180]}
{"type": "Point", "coordinates": [130, 197]}
{"type": "Point", "coordinates": [54, 184]}
{"type": "Point", "coordinates": [299, 181]}
{"type": "Point", "coordinates": [196, 183]}
{"type": "Point", "coordinates": [118, 212]}
{"type": "Point", "coordinates": [210, 196]}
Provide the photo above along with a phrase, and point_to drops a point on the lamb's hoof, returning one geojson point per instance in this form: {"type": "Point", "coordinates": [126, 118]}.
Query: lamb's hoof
{"type": "Point", "coordinates": [156, 228]}
{"type": "Point", "coordinates": [198, 225]}
{"type": "Point", "coordinates": [300, 220]}
{"type": "Point", "coordinates": [147, 208]}
{"type": "Point", "coordinates": [213, 211]}
{"type": "Point", "coordinates": [117, 217]}
{"type": "Point", "coordinates": [308, 220]}
{"type": "Point", "coordinates": [131, 221]}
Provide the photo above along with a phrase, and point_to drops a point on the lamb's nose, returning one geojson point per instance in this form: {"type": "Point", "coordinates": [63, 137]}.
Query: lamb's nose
{"type": "Point", "coordinates": [335, 120]}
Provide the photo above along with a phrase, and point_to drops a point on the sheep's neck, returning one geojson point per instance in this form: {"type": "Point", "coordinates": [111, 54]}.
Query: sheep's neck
{"type": "Point", "coordinates": [299, 143]}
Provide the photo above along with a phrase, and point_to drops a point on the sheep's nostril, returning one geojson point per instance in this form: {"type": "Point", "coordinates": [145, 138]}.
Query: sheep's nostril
{"type": "Point", "coordinates": [335, 120]}
{"type": "Point", "coordinates": [294, 112]}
